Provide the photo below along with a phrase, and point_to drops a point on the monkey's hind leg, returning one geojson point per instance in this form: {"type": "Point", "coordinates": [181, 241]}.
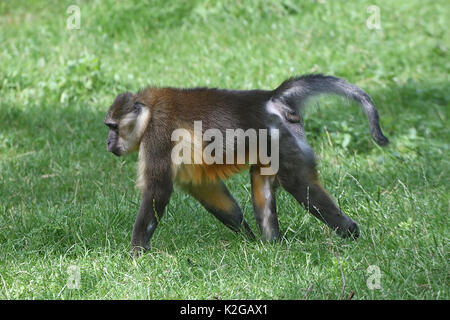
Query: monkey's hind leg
{"type": "Point", "coordinates": [307, 190]}
{"type": "Point", "coordinates": [298, 176]}
{"type": "Point", "coordinates": [216, 198]}
{"type": "Point", "coordinates": [264, 206]}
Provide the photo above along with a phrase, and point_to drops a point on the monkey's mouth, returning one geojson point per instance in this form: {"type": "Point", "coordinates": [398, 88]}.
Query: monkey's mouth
{"type": "Point", "coordinates": [116, 152]}
{"type": "Point", "coordinates": [111, 146]}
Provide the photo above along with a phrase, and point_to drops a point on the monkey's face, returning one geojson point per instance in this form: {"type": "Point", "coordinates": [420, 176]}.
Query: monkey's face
{"type": "Point", "coordinates": [126, 119]}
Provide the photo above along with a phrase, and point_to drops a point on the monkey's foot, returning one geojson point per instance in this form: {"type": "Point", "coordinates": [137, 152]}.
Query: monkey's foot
{"type": "Point", "coordinates": [350, 229]}
{"type": "Point", "coordinates": [137, 251]}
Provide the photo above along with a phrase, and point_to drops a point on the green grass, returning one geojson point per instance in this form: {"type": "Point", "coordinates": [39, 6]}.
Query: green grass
{"type": "Point", "coordinates": [65, 201]}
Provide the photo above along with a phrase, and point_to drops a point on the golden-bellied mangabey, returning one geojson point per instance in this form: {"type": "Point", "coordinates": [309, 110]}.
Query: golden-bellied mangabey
{"type": "Point", "coordinates": [150, 122]}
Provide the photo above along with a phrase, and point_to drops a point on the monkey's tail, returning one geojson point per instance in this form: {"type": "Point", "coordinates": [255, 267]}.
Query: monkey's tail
{"type": "Point", "coordinates": [295, 91]}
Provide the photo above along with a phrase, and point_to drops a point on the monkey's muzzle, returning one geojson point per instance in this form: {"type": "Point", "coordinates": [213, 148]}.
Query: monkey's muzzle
{"type": "Point", "coordinates": [111, 147]}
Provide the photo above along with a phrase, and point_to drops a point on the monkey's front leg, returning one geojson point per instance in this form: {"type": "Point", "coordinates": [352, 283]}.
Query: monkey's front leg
{"type": "Point", "coordinates": [153, 203]}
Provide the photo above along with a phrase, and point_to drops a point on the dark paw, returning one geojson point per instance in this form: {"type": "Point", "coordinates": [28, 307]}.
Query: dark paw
{"type": "Point", "coordinates": [136, 251]}
{"type": "Point", "coordinates": [351, 230]}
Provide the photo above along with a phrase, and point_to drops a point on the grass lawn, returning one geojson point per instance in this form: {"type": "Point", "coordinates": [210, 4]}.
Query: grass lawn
{"type": "Point", "coordinates": [66, 203]}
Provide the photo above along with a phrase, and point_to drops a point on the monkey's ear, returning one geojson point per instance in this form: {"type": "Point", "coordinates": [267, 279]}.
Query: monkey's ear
{"type": "Point", "coordinates": [137, 107]}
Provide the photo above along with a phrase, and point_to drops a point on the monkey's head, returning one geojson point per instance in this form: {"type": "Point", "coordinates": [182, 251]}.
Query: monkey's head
{"type": "Point", "coordinates": [126, 119]}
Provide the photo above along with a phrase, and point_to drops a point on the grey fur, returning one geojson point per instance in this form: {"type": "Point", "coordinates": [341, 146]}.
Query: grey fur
{"type": "Point", "coordinates": [294, 92]}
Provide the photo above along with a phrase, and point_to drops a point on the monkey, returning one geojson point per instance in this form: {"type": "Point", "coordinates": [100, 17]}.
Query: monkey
{"type": "Point", "coordinates": [145, 122]}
